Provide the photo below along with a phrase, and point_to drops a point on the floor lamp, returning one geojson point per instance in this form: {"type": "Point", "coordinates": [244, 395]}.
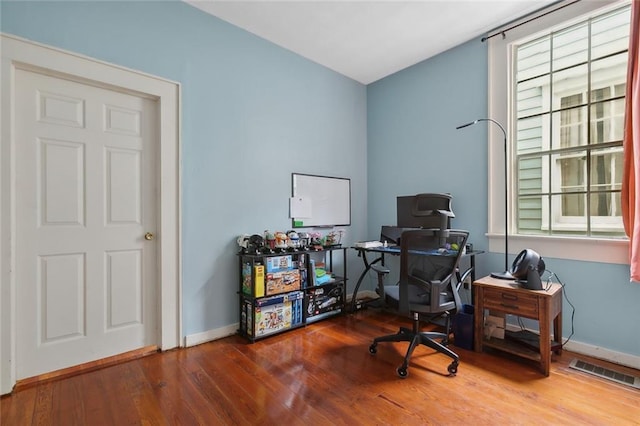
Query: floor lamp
{"type": "Point", "coordinates": [506, 275]}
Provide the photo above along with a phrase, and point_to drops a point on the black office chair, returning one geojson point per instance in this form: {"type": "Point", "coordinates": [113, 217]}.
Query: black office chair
{"type": "Point", "coordinates": [427, 289]}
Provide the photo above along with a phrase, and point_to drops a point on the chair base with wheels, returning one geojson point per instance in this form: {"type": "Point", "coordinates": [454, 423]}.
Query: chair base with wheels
{"type": "Point", "coordinates": [426, 290]}
{"type": "Point", "coordinates": [417, 337]}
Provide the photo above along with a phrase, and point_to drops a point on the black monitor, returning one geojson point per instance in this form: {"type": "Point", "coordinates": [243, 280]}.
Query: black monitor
{"type": "Point", "coordinates": [391, 234]}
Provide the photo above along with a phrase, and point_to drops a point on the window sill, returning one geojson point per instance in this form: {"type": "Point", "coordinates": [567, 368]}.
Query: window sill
{"type": "Point", "coordinates": [570, 248]}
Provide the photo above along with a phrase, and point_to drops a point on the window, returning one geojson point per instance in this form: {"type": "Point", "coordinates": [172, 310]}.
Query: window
{"type": "Point", "coordinates": [568, 103]}
{"type": "Point", "coordinates": [557, 84]}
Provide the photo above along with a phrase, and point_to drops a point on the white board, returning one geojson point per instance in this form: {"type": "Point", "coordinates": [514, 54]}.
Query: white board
{"type": "Point", "coordinates": [320, 201]}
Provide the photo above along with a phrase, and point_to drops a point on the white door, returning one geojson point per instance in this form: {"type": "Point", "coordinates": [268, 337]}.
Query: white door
{"type": "Point", "coordinates": [85, 198]}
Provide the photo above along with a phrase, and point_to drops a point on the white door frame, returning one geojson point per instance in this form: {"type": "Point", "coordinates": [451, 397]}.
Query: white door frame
{"type": "Point", "coordinates": [18, 53]}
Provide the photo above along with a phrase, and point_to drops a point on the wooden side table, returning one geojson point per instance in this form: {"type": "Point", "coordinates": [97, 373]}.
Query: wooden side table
{"type": "Point", "coordinates": [506, 296]}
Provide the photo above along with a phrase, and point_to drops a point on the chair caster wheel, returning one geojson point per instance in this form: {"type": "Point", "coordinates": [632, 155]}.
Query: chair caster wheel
{"type": "Point", "coordinates": [373, 349]}
{"type": "Point", "coordinates": [453, 368]}
{"type": "Point", "coordinates": [402, 372]}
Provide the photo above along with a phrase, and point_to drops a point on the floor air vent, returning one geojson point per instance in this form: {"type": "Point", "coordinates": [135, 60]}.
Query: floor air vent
{"type": "Point", "coordinates": [605, 373]}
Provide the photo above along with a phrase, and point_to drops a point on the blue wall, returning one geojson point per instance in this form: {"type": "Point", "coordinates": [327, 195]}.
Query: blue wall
{"type": "Point", "coordinates": [252, 113]}
{"type": "Point", "coordinates": [411, 123]}
{"type": "Point", "coordinates": [412, 116]}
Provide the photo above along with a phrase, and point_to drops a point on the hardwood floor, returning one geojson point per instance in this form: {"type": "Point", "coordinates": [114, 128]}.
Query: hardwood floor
{"type": "Point", "coordinates": [323, 374]}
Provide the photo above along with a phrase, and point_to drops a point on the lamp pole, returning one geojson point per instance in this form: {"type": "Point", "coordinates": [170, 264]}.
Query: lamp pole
{"type": "Point", "coordinates": [506, 275]}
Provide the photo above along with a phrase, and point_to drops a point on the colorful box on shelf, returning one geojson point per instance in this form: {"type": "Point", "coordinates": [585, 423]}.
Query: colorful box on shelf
{"type": "Point", "coordinates": [273, 314]}
{"type": "Point", "coordinates": [279, 263]}
{"type": "Point", "coordinates": [246, 278]}
{"type": "Point", "coordinates": [253, 276]}
{"type": "Point", "coordinates": [323, 299]}
{"type": "Point", "coordinates": [281, 282]}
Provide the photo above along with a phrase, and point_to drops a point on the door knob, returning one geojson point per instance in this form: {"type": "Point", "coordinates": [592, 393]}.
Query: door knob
{"type": "Point", "coordinates": [149, 236]}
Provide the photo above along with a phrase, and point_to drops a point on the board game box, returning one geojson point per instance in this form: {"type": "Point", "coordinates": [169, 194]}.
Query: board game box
{"type": "Point", "coordinates": [272, 314]}
{"type": "Point", "coordinates": [323, 299]}
{"type": "Point", "coordinates": [282, 282]}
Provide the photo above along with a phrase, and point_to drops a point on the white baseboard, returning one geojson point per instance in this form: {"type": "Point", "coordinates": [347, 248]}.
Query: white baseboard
{"type": "Point", "coordinates": [209, 335]}
{"type": "Point", "coordinates": [620, 358]}
{"type": "Point", "coordinates": [627, 360]}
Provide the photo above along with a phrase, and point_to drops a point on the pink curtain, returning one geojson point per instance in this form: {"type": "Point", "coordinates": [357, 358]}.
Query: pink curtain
{"type": "Point", "coordinates": [630, 180]}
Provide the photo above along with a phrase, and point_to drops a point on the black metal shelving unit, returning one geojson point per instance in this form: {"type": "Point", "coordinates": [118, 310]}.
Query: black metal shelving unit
{"type": "Point", "coordinates": [278, 292]}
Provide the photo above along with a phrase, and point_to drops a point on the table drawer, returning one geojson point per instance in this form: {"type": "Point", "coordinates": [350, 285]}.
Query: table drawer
{"type": "Point", "coordinates": [510, 302]}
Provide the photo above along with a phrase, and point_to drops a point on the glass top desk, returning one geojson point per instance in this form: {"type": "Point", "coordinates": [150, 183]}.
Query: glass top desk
{"type": "Point", "coordinates": [378, 254]}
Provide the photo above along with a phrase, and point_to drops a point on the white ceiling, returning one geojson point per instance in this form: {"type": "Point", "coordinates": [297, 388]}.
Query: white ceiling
{"type": "Point", "coordinates": [368, 40]}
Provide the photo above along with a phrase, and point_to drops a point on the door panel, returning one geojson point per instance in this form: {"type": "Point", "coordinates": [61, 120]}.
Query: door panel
{"type": "Point", "coordinates": [60, 179]}
{"type": "Point", "coordinates": [122, 197]}
{"type": "Point", "coordinates": [86, 276]}
{"type": "Point", "coordinates": [124, 288]}
{"type": "Point", "coordinates": [61, 287]}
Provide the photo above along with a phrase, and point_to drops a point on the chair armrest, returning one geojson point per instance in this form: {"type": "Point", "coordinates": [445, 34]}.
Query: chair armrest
{"type": "Point", "coordinates": [380, 270]}
{"type": "Point", "coordinates": [435, 288]}
{"type": "Point", "coordinates": [382, 273]}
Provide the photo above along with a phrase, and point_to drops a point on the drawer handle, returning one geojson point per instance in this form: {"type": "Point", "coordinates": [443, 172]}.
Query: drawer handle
{"type": "Point", "coordinates": [510, 306]}
{"type": "Point", "coordinates": [509, 296]}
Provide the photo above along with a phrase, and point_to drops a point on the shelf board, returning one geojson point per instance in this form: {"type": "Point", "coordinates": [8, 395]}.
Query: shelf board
{"type": "Point", "coordinates": [264, 336]}
{"type": "Point", "coordinates": [511, 347]}
{"type": "Point", "coordinates": [323, 315]}
{"type": "Point", "coordinates": [529, 339]}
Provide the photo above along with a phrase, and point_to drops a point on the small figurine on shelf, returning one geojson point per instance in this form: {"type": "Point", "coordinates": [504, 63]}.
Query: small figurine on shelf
{"type": "Point", "coordinates": [305, 240]}
{"type": "Point", "coordinates": [243, 243]}
{"type": "Point", "coordinates": [269, 241]}
{"type": "Point", "coordinates": [256, 244]}
{"type": "Point", "coordinates": [293, 242]}
{"type": "Point", "coordinates": [316, 240]}
{"type": "Point", "coordinates": [281, 241]}
{"type": "Point", "coordinates": [333, 238]}
{"type": "Point", "coordinates": [265, 249]}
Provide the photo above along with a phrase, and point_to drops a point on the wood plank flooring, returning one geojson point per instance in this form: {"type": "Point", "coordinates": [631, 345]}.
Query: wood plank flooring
{"type": "Point", "coordinates": [323, 374]}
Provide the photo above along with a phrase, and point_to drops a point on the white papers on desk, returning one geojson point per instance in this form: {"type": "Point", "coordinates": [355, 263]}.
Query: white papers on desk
{"type": "Point", "coordinates": [368, 244]}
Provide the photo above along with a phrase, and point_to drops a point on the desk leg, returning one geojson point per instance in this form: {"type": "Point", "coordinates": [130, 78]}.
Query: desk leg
{"type": "Point", "coordinates": [545, 336]}
{"type": "Point", "coordinates": [355, 290]}
{"type": "Point", "coordinates": [478, 319]}
{"type": "Point", "coordinates": [346, 280]}
{"type": "Point", "coordinates": [557, 332]}
{"type": "Point", "coordinates": [367, 268]}
{"type": "Point", "coordinates": [473, 268]}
